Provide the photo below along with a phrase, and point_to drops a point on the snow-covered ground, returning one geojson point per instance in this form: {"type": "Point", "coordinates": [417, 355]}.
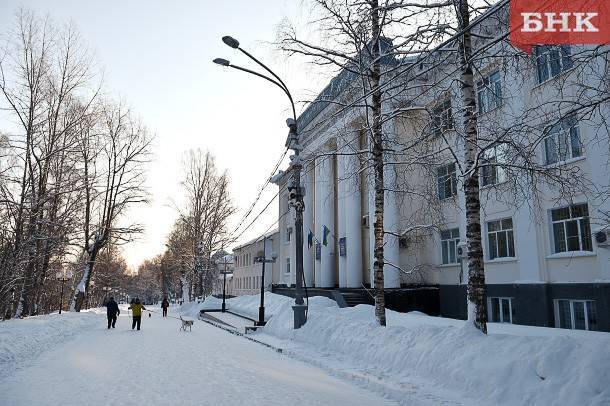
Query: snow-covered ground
{"type": "Point", "coordinates": [432, 360]}
{"type": "Point", "coordinates": [72, 359]}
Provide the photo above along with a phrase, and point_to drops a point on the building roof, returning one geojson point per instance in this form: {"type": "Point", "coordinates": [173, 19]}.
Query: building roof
{"type": "Point", "coordinates": [257, 239]}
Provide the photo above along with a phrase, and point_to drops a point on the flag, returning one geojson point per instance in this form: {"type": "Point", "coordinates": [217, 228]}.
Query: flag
{"type": "Point", "coordinates": [309, 240]}
{"type": "Point", "coordinates": [325, 233]}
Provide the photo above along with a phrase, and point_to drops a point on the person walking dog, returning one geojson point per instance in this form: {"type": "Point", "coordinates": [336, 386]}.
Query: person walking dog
{"type": "Point", "coordinates": [136, 308]}
{"type": "Point", "coordinates": [112, 311]}
{"type": "Point", "coordinates": [164, 306]}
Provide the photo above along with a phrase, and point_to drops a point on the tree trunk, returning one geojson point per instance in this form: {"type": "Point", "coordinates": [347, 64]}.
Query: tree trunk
{"type": "Point", "coordinates": [80, 292]}
{"type": "Point", "coordinates": [476, 300]}
{"type": "Point", "coordinates": [378, 166]}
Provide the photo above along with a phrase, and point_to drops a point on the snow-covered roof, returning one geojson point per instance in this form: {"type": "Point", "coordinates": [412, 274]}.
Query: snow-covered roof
{"type": "Point", "coordinates": [257, 239]}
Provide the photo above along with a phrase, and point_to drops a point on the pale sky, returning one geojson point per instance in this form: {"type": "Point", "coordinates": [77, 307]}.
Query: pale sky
{"type": "Point", "coordinates": [157, 55]}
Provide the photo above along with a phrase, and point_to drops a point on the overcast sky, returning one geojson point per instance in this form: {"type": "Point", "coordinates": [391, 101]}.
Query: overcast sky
{"type": "Point", "coordinates": [157, 56]}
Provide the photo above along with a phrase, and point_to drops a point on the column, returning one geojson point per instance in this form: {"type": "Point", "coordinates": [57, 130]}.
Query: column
{"type": "Point", "coordinates": [349, 216]}
{"type": "Point", "coordinates": [317, 219]}
{"type": "Point", "coordinates": [326, 224]}
{"type": "Point", "coordinates": [308, 215]}
{"type": "Point", "coordinates": [341, 215]}
{"type": "Point", "coordinates": [391, 275]}
{"type": "Point", "coordinates": [353, 224]}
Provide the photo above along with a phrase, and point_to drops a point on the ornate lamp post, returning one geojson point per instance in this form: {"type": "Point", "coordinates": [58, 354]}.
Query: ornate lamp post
{"type": "Point", "coordinates": [62, 276]}
{"type": "Point", "coordinates": [262, 258]}
{"type": "Point", "coordinates": [224, 281]}
{"type": "Point", "coordinates": [295, 191]}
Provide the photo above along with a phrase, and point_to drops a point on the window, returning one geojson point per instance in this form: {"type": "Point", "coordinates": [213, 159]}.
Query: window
{"type": "Point", "coordinates": [500, 239]}
{"type": "Point", "coordinates": [551, 61]}
{"type": "Point", "coordinates": [500, 309]}
{"type": "Point", "coordinates": [287, 265]}
{"type": "Point", "coordinates": [491, 169]}
{"type": "Point", "coordinates": [449, 241]}
{"type": "Point", "coordinates": [288, 234]}
{"type": "Point", "coordinates": [562, 141]}
{"type": "Point", "coordinates": [489, 92]}
{"type": "Point", "coordinates": [571, 229]}
{"type": "Point", "coordinates": [447, 181]}
{"type": "Point", "coordinates": [442, 118]}
{"type": "Point", "coordinates": [576, 314]}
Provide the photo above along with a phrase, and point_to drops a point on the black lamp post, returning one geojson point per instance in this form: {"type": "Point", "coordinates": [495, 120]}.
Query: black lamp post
{"type": "Point", "coordinates": [62, 276]}
{"type": "Point", "coordinates": [224, 283]}
{"type": "Point", "coordinates": [295, 192]}
{"type": "Point", "coordinates": [263, 260]}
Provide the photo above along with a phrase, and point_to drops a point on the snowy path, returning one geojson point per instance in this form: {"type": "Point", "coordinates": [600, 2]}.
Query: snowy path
{"type": "Point", "coordinates": [161, 365]}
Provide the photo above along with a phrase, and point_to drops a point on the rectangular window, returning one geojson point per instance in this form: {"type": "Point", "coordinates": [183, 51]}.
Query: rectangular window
{"type": "Point", "coordinates": [551, 60]}
{"type": "Point", "coordinates": [562, 140]}
{"type": "Point", "coordinates": [489, 92]}
{"type": "Point", "coordinates": [288, 234]}
{"type": "Point", "coordinates": [500, 309]}
{"type": "Point", "coordinates": [287, 265]}
{"type": "Point", "coordinates": [447, 181]}
{"type": "Point", "coordinates": [449, 241]}
{"type": "Point", "coordinates": [442, 118]}
{"type": "Point", "coordinates": [571, 229]}
{"type": "Point", "coordinates": [492, 172]}
{"type": "Point", "coordinates": [500, 240]}
{"type": "Point", "coordinates": [576, 314]}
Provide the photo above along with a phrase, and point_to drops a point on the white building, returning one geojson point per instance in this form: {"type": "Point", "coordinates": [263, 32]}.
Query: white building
{"type": "Point", "coordinates": [546, 259]}
{"type": "Point", "coordinates": [247, 276]}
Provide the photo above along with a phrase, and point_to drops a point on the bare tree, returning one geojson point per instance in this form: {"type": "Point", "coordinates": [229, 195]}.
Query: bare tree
{"type": "Point", "coordinates": [113, 169]}
{"type": "Point", "coordinates": [204, 219]}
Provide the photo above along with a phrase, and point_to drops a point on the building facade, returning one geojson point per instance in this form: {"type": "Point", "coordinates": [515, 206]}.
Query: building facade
{"type": "Point", "coordinates": [247, 277]}
{"type": "Point", "coordinates": [544, 180]}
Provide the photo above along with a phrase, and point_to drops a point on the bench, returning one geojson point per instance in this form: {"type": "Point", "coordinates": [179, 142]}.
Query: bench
{"type": "Point", "coordinates": [251, 328]}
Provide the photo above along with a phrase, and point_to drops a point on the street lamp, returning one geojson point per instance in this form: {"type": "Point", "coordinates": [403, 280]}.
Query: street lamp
{"type": "Point", "coordinates": [295, 191]}
{"type": "Point", "coordinates": [262, 258]}
{"type": "Point", "coordinates": [224, 283]}
{"type": "Point", "coordinates": [62, 276]}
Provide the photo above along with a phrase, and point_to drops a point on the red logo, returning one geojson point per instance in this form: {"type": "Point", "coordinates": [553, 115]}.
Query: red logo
{"type": "Point", "coordinates": [559, 22]}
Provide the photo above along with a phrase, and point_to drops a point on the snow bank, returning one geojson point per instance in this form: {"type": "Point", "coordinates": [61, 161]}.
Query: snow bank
{"type": "Point", "coordinates": [22, 340]}
{"type": "Point", "coordinates": [520, 365]}
{"type": "Point", "coordinates": [244, 305]}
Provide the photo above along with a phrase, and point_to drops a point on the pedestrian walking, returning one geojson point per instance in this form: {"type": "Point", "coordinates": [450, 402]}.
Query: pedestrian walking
{"type": "Point", "coordinates": [164, 306]}
{"type": "Point", "coordinates": [136, 309]}
{"type": "Point", "coordinates": [112, 312]}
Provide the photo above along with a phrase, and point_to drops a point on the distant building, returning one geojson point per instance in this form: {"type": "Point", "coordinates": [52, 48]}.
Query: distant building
{"type": "Point", "coordinates": [247, 275]}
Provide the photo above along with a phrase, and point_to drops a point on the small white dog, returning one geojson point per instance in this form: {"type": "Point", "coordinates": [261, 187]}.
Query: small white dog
{"type": "Point", "coordinates": [186, 323]}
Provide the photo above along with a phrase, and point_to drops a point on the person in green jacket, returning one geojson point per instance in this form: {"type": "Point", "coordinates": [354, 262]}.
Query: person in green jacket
{"type": "Point", "coordinates": [136, 307]}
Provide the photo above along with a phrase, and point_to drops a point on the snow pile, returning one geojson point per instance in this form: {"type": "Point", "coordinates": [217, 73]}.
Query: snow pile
{"type": "Point", "coordinates": [25, 339]}
{"type": "Point", "coordinates": [244, 305]}
{"type": "Point", "coordinates": [520, 365]}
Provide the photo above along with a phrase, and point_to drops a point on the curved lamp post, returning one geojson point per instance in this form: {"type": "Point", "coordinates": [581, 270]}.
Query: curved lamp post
{"type": "Point", "coordinates": [295, 192]}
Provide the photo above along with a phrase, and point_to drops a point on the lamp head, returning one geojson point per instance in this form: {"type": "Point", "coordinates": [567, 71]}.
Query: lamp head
{"type": "Point", "coordinates": [230, 41]}
{"type": "Point", "coordinates": [222, 62]}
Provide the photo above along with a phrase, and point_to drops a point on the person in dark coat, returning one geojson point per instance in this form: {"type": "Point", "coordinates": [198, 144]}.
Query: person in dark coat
{"type": "Point", "coordinates": [164, 306]}
{"type": "Point", "coordinates": [112, 311]}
